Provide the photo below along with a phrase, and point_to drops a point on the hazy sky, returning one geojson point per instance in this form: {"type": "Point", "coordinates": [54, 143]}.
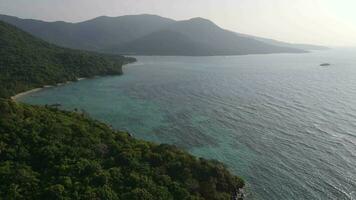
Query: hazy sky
{"type": "Point", "coordinates": [327, 22]}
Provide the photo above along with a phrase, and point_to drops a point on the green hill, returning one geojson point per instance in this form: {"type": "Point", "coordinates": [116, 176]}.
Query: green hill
{"type": "Point", "coordinates": [95, 34]}
{"type": "Point", "coordinates": [46, 153]}
{"type": "Point", "coordinates": [27, 62]}
{"type": "Point", "coordinates": [165, 43]}
{"type": "Point", "coordinates": [199, 37]}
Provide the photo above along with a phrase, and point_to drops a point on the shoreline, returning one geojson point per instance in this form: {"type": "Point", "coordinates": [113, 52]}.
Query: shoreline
{"type": "Point", "coordinates": [21, 94]}
{"type": "Point", "coordinates": [15, 97]}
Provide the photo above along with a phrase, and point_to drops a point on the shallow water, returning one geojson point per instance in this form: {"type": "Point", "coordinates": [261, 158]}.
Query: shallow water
{"type": "Point", "coordinates": [282, 122]}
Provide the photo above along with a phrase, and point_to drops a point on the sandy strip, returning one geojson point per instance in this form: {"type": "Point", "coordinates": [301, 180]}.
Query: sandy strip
{"type": "Point", "coordinates": [25, 93]}
{"type": "Point", "coordinates": [38, 89]}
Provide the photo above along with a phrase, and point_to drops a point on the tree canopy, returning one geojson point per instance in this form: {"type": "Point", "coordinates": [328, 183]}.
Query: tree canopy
{"type": "Point", "coordinates": [27, 62]}
{"type": "Point", "coordinates": [46, 153]}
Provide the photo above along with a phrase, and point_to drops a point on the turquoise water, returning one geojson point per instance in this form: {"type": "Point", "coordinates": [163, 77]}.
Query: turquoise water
{"type": "Point", "coordinates": [282, 122]}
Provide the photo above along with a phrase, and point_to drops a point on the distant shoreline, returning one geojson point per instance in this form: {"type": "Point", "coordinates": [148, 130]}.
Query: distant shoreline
{"type": "Point", "coordinates": [21, 94]}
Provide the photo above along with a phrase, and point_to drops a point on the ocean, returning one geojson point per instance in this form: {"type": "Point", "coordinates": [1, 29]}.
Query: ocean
{"type": "Point", "coordinates": [282, 122]}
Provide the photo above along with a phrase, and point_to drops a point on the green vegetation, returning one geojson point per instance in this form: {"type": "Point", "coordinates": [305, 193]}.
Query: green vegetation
{"type": "Point", "coordinates": [46, 153]}
{"type": "Point", "coordinates": [27, 62]}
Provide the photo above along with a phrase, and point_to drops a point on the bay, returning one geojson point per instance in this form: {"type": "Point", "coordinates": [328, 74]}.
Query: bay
{"type": "Point", "coordinates": [284, 123]}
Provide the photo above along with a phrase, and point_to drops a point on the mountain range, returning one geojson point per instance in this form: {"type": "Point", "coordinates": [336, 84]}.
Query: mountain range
{"type": "Point", "coordinates": [153, 35]}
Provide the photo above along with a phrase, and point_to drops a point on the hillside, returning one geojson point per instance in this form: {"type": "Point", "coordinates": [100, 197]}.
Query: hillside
{"type": "Point", "coordinates": [95, 34]}
{"type": "Point", "coordinates": [51, 154]}
{"type": "Point", "coordinates": [117, 34]}
{"type": "Point", "coordinates": [164, 43]}
{"type": "Point", "coordinates": [27, 62]}
{"type": "Point", "coordinates": [197, 37]}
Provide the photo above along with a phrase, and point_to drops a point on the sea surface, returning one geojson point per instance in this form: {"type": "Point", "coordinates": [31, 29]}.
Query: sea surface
{"type": "Point", "coordinates": [282, 122]}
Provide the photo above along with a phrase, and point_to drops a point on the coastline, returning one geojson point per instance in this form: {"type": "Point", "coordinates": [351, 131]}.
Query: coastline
{"type": "Point", "coordinates": [25, 93]}
{"type": "Point", "coordinates": [16, 96]}
{"type": "Point", "coordinates": [21, 94]}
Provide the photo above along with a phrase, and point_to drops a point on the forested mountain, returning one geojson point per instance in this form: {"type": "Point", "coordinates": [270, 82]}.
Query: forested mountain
{"type": "Point", "coordinates": [196, 37]}
{"type": "Point", "coordinates": [27, 62]}
{"type": "Point", "coordinates": [130, 34]}
{"type": "Point", "coordinates": [99, 33]}
{"type": "Point", "coordinates": [164, 42]}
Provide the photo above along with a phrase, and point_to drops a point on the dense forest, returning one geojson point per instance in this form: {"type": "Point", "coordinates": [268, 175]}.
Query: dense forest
{"type": "Point", "coordinates": [46, 153]}
{"type": "Point", "coordinates": [27, 62]}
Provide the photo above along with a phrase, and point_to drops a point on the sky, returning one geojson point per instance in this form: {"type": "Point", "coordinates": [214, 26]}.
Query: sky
{"type": "Point", "coordinates": [325, 22]}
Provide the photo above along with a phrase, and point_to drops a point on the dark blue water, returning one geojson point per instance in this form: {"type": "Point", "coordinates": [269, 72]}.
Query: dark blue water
{"type": "Point", "coordinates": [282, 122]}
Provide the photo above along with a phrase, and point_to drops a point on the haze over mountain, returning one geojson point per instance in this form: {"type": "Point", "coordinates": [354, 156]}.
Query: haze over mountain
{"type": "Point", "coordinates": [152, 35]}
{"type": "Point", "coordinates": [286, 44]}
